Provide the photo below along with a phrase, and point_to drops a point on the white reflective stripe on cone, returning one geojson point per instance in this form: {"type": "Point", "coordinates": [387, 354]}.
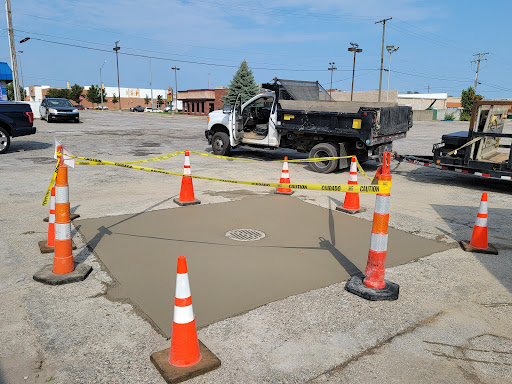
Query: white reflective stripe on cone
{"type": "Point", "coordinates": [52, 202]}
{"type": "Point", "coordinates": [352, 177]}
{"type": "Point", "coordinates": [483, 207]}
{"type": "Point", "coordinates": [382, 204]}
{"type": "Point", "coordinates": [182, 286]}
{"type": "Point", "coordinates": [481, 222]}
{"type": "Point", "coordinates": [186, 171]}
{"type": "Point", "coordinates": [353, 167]}
{"type": "Point", "coordinates": [51, 219]}
{"type": "Point", "coordinates": [183, 315]}
{"type": "Point", "coordinates": [285, 175]}
{"type": "Point", "coordinates": [378, 242]}
{"type": "Point", "coordinates": [61, 194]}
{"type": "Point", "coordinates": [285, 166]}
{"type": "Point", "coordinates": [187, 160]}
{"type": "Point", "coordinates": [62, 231]}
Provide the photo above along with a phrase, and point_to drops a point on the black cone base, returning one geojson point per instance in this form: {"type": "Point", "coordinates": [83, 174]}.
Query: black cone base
{"type": "Point", "coordinates": [491, 250]}
{"type": "Point", "coordinates": [389, 292]}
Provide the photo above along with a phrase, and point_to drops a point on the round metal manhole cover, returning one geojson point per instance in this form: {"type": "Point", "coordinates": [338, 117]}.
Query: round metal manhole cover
{"type": "Point", "coordinates": [245, 234]}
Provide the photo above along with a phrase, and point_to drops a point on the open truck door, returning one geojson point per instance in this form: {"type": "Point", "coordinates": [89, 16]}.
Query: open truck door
{"type": "Point", "coordinates": [236, 126]}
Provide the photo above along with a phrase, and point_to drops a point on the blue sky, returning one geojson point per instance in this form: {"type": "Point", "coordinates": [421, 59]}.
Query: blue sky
{"type": "Point", "coordinates": [290, 39]}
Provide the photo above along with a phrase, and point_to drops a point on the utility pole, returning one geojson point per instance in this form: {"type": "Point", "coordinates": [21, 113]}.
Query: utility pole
{"type": "Point", "coordinates": [355, 48]}
{"type": "Point", "coordinates": [176, 83]}
{"type": "Point", "coordinates": [14, 64]}
{"type": "Point", "coordinates": [101, 85]}
{"type": "Point", "coordinates": [383, 21]}
{"type": "Point", "coordinates": [332, 69]}
{"type": "Point", "coordinates": [390, 49]}
{"type": "Point", "coordinates": [116, 48]}
{"type": "Point", "coordinates": [480, 55]}
{"type": "Point", "coordinates": [428, 88]}
{"type": "Point", "coordinates": [21, 71]}
{"type": "Point", "coordinates": [151, 83]}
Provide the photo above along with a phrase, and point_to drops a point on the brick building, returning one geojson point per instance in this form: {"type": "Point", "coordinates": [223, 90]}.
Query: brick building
{"type": "Point", "coordinates": [201, 101]}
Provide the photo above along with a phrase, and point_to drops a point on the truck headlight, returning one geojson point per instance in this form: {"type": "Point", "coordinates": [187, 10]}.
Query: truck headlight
{"type": "Point", "coordinates": [75, 110]}
{"type": "Point", "coordinates": [51, 110]}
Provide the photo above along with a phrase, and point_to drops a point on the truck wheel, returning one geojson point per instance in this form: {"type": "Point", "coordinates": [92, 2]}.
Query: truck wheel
{"type": "Point", "coordinates": [5, 140]}
{"type": "Point", "coordinates": [324, 150]}
{"type": "Point", "coordinates": [220, 144]}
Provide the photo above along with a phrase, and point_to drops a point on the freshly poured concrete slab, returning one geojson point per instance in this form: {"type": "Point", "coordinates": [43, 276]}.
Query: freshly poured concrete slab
{"type": "Point", "coordinates": [306, 247]}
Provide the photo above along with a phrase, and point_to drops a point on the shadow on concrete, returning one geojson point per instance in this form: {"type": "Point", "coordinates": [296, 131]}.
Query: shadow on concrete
{"type": "Point", "coordinates": [26, 145]}
{"type": "Point", "coordinates": [461, 220]}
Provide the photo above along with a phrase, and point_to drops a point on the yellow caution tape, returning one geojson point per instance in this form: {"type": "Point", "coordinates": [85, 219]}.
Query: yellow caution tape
{"type": "Point", "coordinates": [308, 160]}
{"type": "Point", "coordinates": [47, 194]}
{"type": "Point", "coordinates": [157, 158]}
{"type": "Point", "coordinates": [382, 188]}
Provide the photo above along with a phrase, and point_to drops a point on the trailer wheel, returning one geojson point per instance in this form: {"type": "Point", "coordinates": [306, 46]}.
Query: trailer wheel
{"type": "Point", "coordinates": [220, 144]}
{"type": "Point", "coordinates": [324, 150]}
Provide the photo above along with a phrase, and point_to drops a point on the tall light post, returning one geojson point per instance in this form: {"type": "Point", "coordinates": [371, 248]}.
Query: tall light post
{"type": "Point", "coordinates": [151, 83]}
{"type": "Point", "coordinates": [21, 70]}
{"type": "Point", "coordinates": [116, 49]}
{"type": "Point", "coordinates": [101, 85]}
{"type": "Point", "coordinates": [332, 69]}
{"type": "Point", "coordinates": [391, 49]}
{"type": "Point", "coordinates": [355, 48]}
{"type": "Point", "coordinates": [383, 21]}
{"type": "Point", "coordinates": [176, 83]}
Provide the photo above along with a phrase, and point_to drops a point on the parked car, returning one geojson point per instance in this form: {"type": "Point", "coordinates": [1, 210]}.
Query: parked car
{"type": "Point", "coordinates": [168, 108]}
{"type": "Point", "coordinates": [137, 108]}
{"type": "Point", "coordinates": [105, 108]}
{"type": "Point", "coordinates": [58, 109]}
{"type": "Point", "coordinates": [148, 109]}
{"type": "Point", "coordinates": [80, 107]}
{"type": "Point", "coordinates": [16, 119]}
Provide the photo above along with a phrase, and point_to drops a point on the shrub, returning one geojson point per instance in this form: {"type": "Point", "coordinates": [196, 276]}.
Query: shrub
{"type": "Point", "coordinates": [449, 116]}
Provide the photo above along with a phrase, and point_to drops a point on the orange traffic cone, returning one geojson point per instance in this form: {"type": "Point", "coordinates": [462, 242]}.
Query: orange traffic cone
{"type": "Point", "coordinates": [351, 203]}
{"type": "Point", "coordinates": [187, 189]}
{"type": "Point", "coordinates": [479, 241]}
{"type": "Point", "coordinates": [187, 357]}
{"type": "Point", "coordinates": [63, 269]}
{"type": "Point", "coordinates": [285, 179]}
{"type": "Point", "coordinates": [48, 246]}
{"type": "Point", "coordinates": [372, 286]}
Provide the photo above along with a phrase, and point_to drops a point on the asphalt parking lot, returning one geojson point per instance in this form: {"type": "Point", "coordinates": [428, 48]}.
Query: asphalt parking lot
{"type": "Point", "coordinates": [452, 320]}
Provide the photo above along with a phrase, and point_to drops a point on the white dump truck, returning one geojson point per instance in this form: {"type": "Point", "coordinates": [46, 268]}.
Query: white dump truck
{"type": "Point", "coordinates": [301, 115]}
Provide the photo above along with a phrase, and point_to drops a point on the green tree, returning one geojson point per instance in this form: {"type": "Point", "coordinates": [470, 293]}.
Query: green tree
{"type": "Point", "coordinates": [115, 100]}
{"type": "Point", "coordinates": [94, 94]}
{"type": "Point", "coordinates": [75, 93]}
{"type": "Point", "coordinates": [467, 98]}
{"type": "Point", "coordinates": [146, 100]}
{"type": "Point", "coordinates": [10, 91]}
{"type": "Point", "coordinates": [62, 93]}
{"type": "Point", "coordinates": [159, 101]}
{"type": "Point", "coordinates": [243, 83]}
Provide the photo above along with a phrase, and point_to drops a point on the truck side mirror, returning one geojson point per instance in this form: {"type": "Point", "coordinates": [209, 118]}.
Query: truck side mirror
{"type": "Point", "coordinates": [226, 108]}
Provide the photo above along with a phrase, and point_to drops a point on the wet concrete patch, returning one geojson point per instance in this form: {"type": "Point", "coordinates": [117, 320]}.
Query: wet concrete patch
{"type": "Point", "coordinates": [306, 247]}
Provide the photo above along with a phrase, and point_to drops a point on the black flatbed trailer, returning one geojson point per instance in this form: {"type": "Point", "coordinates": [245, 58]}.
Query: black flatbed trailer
{"type": "Point", "coordinates": [475, 151]}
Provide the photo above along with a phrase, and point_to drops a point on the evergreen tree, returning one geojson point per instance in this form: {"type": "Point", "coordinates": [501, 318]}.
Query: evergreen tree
{"type": "Point", "coordinates": [467, 98]}
{"type": "Point", "coordinates": [115, 100]}
{"type": "Point", "coordinates": [59, 93]}
{"type": "Point", "coordinates": [94, 94]}
{"type": "Point", "coordinates": [243, 83]}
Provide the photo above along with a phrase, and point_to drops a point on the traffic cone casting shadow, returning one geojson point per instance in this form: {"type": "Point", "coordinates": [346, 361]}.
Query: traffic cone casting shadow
{"type": "Point", "coordinates": [285, 179]}
{"type": "Point", "coordinates": [48, 246]}
{"type": "Point", "coordinates": [63, 270]}
{"type": "Point", "coordinates": [373, 286]}
{"type": "Point", "coordinates": [187, 357]}
{"type": "Point", "coordinates": [187, 189]}
{"type": "Point", "coordinates": [351, 203]}
{"type": "Point", "coordinates": [479, 241]}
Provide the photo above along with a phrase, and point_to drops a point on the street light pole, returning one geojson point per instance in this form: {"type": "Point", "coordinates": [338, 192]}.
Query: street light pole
{"type": "Point", "coordinates": [151, 83]}
{"type": "Point", "coordinates": [101, 85]}
{"type": "Point", "coordinates": [332, 69]}
{"type": "Point", "coordinates": [21, 70]}
{"type": "Point", "coordinates": [176, 83]}
{"type": "Point", "coordinates": [355, 48]}
{"type": "Point", "coordinates": [116, 48]}
{"type": "Point", "coordinates": [391, 49]}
